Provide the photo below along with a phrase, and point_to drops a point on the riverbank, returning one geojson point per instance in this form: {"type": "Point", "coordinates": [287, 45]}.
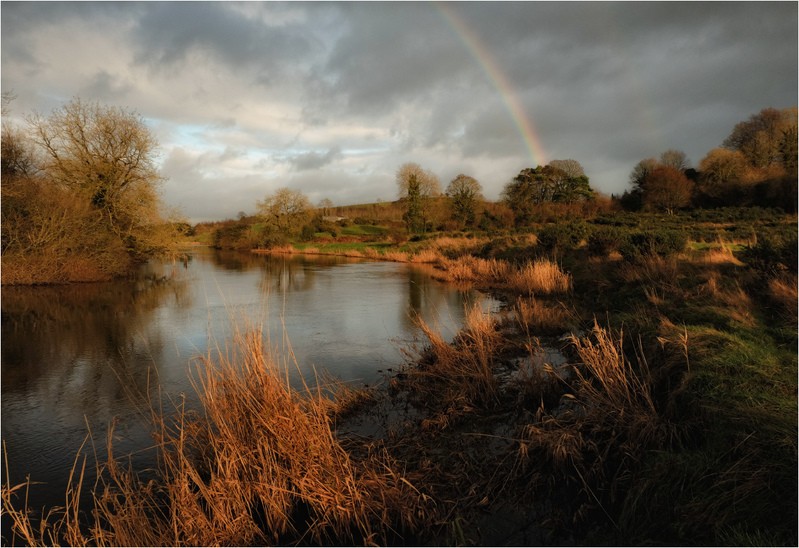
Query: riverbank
{"type": "Point", "coordinates": [615, 400]}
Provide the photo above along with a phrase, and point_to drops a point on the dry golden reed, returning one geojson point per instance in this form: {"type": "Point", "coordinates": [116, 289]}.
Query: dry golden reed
{"type": "Point", "coordinates": [613, 400]}
{"type": "Point", "coordinates": [461, 371]}
{"type": "Point", "coordinates": [428, 256]}
{"type": "Point", "coordinates": [535, 316]}
{"type": "Point", "coordinates": [783, 291]}
{"type": "Point", "coordinates": [720, 255]}
{"type": "Point", "coordinates": [260, 464]}
{"type": "Point", "coordinates": [540, 277]}
{"type": "Point", "coordinates": [473, 269]}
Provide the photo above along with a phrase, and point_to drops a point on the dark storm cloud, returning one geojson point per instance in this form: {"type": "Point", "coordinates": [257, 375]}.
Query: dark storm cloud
{"type": "Point", "coordinates": [169, 31]}
{"type": "Point", "coordinates": [316, 88]}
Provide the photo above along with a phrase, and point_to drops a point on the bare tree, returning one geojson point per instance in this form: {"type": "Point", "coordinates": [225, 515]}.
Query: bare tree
{"type": "Point", "coordinates": [641, 170]}
{"type": "Point", "coordinates": [722, 165]}
{"type": "Point", "coordinates": [571, 168]}
{"type": "Point", "coordinates": [763, 135]}
{"type": "Point", "coordinates": [106, 156]}
{"type": "Point", "coordinates": [326, 206]}
{"type": "Point", "coordinates": [674, 158]}
{"type": "Point", "coordinates": [286, 210]}
{"type": "Point", "coordinates": [427, 181]}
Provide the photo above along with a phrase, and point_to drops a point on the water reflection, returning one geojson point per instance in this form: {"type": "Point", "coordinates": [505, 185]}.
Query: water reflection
{"type": "Point", "coordinates": [80, 355]}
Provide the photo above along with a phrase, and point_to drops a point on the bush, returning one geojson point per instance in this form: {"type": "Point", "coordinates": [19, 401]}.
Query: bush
{"type": "Point", "coordinates": [663, 243]}
{"type": "Point", "coordinates": [773, 253]}
{"type": "Point", "coordinates": [605, 240]}
{"type": "Point", "coordinates": [232, 235]}
{"type": "Point", "coordinates": [307, 233]}
{"type": "Point", "coordinates": [562, 236]}
{"type": "Point", "coordinates": [273, 239]}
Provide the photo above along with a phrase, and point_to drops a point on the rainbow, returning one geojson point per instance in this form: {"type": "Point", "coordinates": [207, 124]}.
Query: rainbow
{"type": "Point", "coordinates": [499, 80]}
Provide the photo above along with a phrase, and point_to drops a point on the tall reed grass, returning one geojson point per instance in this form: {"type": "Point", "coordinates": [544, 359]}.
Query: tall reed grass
{"type": "Point", "coordinates": [534, 316]}
{"type": "Point", "coordinates": [460, 373]}
{"type": "Point", "coordinates": [259, 464]}
{"type": "Point", "coordinates": [609, 420]}
{"type": "Point", "coordinates": [540, 277]}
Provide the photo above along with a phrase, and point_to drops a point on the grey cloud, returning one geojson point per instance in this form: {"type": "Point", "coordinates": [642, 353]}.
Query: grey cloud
{"type": "Point", "coordinates": [107, 87]}
{"type": "Point", "coordinates": [313, 160]}
{"type": "Point", "coordinates": [169, 31]}
{"type": "Point", "coordinates": [389, 54]}
{"type": "Point", "coordinates": [604, 83]}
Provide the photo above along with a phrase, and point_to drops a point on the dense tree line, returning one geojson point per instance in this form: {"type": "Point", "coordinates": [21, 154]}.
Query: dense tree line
{"type": "Point", "coordinates": [755, 166]}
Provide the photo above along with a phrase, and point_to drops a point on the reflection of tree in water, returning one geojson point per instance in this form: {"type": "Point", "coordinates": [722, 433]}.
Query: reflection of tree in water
{"type": "Point", "coordinates": [238, 261]}
{"type": "Point", "coordinates": [285, 273]}
{"type": "Point", "coordinates": [429, 303]}
{"type": "Point", "coordinates": [294, 272]}
{"type": "Point", "coordinates": [89, 341]}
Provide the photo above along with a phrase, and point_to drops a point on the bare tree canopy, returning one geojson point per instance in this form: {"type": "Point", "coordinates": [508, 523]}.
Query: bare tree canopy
{"type": "Point", "coordinates": [674, 158]}
{"type": "Point", "coordinates": [412, 173]}
{"type": "Point", "coordinates": [571, 168]}
{"type": "Point", "coordinates": [106, 154]}
{"type": "Point", "coordinates": [641, 170]}
{"type": "Point", "coordinates": [286, 210]}
{"type": "Point", "coordinates": [722, 165]}
{"type": "Point", "coordinates": [667, 188]}
{"type": "Point", "coordinates": [764, 136]}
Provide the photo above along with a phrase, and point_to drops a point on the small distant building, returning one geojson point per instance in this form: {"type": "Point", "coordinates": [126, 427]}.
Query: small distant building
{"type": "Point", "coordinates": [333, 219]}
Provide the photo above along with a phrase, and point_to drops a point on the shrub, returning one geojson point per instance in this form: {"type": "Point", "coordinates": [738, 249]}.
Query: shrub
{"type": "Point", "coordinates": [772, 253]}
{"type": "Point", "coordinates": [662, 243]}
{"type": "Point", "coordinates": [559, 237]}
{"type": "Point", "coordinates": [273, 239]}
{"type": "Point", "coordinates": [605, 240]}
{"type": "Point", "coordinates": [307, 233]}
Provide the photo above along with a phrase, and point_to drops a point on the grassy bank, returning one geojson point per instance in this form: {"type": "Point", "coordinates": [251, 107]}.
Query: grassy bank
{"type": "Point", "coordinates": [637, 388]}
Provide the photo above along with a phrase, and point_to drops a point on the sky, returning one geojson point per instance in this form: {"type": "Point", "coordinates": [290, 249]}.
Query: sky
{"type": "Point", "coordinates": [332, 98]}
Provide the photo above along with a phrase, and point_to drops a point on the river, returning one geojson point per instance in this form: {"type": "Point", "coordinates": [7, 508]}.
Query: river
{"type": "Point", "coordinates": [77, 358]}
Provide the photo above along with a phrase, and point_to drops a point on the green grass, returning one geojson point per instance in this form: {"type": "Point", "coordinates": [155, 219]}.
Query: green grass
{"type": "Point", "coordinates": [705, 246]}
{"type": "Point", "coordinates": [363, 230]}
{"type": "Point", "coordinates": [343, 247]}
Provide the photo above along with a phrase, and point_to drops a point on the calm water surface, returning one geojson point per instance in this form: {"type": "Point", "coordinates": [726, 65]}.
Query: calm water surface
{"type": "Point", "coordinates": [76, 358]}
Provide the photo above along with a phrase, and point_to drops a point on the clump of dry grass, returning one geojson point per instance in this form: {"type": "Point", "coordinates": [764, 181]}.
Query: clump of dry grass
{"type": "Point", "coordinates": [287, 249]}
{"type": "Point", "coordinates": [395, 256]}
{"type": "Point", "coordinates": [259, 464]}
{"type": "Point", "coordinates": [721, 254]}
{"type": "Point", "coordinates": [610, 418]}
{"type": "Point", "coordinates": [472, 269]}
{"type": "Point", "coordinates": [462, 373]}
{"type": "Point", "coordinates": [736, 302]}
{"type": "Point", "coordinates": [61, 525]}
{"type": "Point", "coordinates": [452, 246]}
{"type": "Point", "coordinates": [652, 270]}
{"type": "Point", "coordinates": [540, 277]}
{"type": "Point", "coordinates": [428, 256]}
{"type": "Point", "coordinates": [535, 316]}
{"type": "Point", "coordinates": [372, 253]}
{"type": "Point", "coordinates": [783, 291]}
{"type": "Point", "coordinates": [607, 378]}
